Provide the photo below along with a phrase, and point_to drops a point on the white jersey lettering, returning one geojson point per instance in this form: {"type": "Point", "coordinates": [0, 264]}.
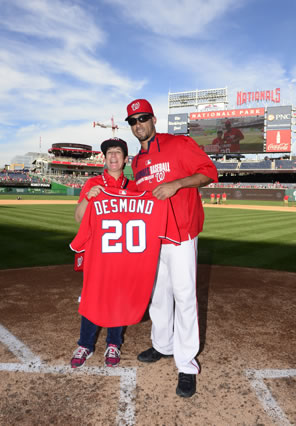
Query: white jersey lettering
{"type": "Point", "coordinates": [160, 167]}
{"type": "Point", "coordinates": [123, 206]}
{"type": "Point", "coordinates": [114, 206]}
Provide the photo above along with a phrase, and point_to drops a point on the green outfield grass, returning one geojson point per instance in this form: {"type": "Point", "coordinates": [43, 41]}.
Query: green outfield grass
{"type": "Point", "coordinates": [206, 200]}
{"type": "Point", "coordinates": [36, 235]}
{"type": "Point", "coordinates": [249, 238]}
{"type": "Point", "coordinates": [39, 235]}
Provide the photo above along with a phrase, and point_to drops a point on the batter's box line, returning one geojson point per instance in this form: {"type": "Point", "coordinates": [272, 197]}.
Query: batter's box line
{"type": "Point", "coordinates": [31, 363]}
{"type": "Point", "coordinates": [269, 403]}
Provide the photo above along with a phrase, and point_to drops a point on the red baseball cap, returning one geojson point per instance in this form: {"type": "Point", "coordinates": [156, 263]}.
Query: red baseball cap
{"type": "Point", "coordinates": [137, 106]}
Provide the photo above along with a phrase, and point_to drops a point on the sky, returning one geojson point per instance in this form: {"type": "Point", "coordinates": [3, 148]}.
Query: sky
{"type": "Point", "coordinates": [67, 63]}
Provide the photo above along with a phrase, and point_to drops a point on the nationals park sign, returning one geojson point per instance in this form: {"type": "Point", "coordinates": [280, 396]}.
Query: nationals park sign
{"type": "Point", "coordinates": [228, 113]}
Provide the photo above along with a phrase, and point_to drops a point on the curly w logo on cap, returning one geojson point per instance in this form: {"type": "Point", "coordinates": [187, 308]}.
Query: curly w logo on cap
{"type": "Point", "coordinates": [139, 106]}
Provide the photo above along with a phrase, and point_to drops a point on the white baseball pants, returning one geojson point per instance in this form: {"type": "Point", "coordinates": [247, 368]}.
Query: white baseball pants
{"type": "Point", "coordinates": [173, 309]}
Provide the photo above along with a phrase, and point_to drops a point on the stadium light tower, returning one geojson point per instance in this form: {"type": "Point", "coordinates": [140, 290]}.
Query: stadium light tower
{"type": "Point", "coordinates": [196, 98]}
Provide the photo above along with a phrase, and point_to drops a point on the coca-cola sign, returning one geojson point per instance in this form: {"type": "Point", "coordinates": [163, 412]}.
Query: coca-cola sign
{"type": "Point", "coordinates": [278, 140]}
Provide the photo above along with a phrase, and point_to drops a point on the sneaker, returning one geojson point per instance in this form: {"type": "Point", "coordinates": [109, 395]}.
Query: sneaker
{"type": "Point", "coordinates": [112, 355]}
{"type": "Point", "coordinates": [186, 385]}
{"type": "Point", "coordinates": [151, 355]}
{"type": "Point", "coordinates": [80, 355]}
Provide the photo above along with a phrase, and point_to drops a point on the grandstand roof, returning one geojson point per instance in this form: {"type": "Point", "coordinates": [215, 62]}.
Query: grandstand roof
{"type": "Point", "coordinates": [72, 149]}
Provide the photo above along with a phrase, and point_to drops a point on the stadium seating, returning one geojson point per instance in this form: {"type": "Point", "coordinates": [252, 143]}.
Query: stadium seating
{"type": "Point", "coordinates": [11, 176]}
{"type": "Point", "coordinates": [225, 166]}
{"type": "Point", "coordinates": [285, 164]}
{"type": "Point", "coordinates": [256, 165]}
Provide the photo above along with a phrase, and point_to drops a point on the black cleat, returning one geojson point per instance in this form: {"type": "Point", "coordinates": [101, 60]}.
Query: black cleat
{"type": "Point", "coordinates": [186, 385]}
{"type": "Point", "coordinates": [151, 355]}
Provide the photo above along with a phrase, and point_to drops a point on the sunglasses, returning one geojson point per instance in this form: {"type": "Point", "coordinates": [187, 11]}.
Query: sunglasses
{"type": "Point", "coordinates": [142, 119]}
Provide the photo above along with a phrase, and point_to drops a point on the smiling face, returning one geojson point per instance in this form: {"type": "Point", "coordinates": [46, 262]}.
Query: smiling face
{"type": "Point", "coordinates": [115, 161]}
{"type": "Point", "coordinates": [144, 131]}
{"type": "Point", "coordinates": [228, 125]}
{"type": "Point", "coordinates": [219, 134]}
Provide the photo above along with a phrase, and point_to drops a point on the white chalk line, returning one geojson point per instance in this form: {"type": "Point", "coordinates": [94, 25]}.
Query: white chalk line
{"type": "Point", "coordinates": [21, 351]}
{"type": "Point", "coordinates": [269, 403]}
{"type": "Point", "coordinates": [31, 363]}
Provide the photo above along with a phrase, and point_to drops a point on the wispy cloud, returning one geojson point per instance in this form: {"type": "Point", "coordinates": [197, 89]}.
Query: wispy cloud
{"type": "Point", "coordinates": [66, 63]}
{"type": "Point", "coordinates": [63, 21]}
{"type": "Point", "coordinates": [175, 18]}
{"type": "Point", "coordinates": [60, 64]}
{"type": "Point", "coordinates": [209, 67]}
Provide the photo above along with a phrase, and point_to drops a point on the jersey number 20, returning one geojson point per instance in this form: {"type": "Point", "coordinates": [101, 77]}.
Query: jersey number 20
{"type": "Point", "coordinates": [131, 227]}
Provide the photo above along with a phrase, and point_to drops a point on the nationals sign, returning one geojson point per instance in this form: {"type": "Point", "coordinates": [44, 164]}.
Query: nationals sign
{"type": "Point", "coordinates": [259, 95]}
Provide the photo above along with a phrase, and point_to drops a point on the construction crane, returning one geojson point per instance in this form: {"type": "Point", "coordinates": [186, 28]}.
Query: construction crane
{"type": "Point", "coordinates": [112, 126]}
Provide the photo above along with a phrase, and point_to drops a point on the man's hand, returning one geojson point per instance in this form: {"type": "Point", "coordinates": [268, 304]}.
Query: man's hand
{"type": "Point", "coordinates": [166, 190]}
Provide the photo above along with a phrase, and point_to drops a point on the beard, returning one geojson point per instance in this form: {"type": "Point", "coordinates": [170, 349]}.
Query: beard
{"type": "Point", "coordinates": [144, 134]}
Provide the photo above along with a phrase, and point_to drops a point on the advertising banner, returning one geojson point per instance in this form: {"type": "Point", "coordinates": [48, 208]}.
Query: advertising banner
{"type": "Point", "coordinates": [244, 193]}
{"type": "Point", "coordinates": [229, 131]}
{"type": "Point", "coordinates": [278, 140]}
{"type": "Point", "coordinates": [278, 129]}
{"type": "Point", "coordinates": [279, 117]}
{"type": "Point", "coordinates": [75, 163]}
{"type": "Point", "coordinates": [178, 124]}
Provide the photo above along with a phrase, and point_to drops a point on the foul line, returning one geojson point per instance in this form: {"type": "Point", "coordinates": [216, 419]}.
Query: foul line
{"type": "Point", "coordinates": [31, 363]}
{"type": "Point", "coordinates": [264, 395]}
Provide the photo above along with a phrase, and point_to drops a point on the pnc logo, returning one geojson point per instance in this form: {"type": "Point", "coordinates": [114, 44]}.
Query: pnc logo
{"type": "Point", "coordinates": [283, 116]}
{"type": "Point", "coordinates": [135, 106]}
{"type": "Point", "coordinates": [270, 117]}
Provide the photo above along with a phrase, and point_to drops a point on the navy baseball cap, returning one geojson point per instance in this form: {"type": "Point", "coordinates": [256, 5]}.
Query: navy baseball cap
{"type": "Point", "coordinates": [109, 143]}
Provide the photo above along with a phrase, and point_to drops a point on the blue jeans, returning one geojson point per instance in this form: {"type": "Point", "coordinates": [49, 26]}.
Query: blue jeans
{"type": "Point", "coordinates": [88, 332]}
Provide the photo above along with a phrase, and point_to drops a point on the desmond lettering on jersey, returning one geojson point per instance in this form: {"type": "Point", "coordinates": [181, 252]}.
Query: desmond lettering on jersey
{"type": "Point", "coordinates": [157, 170]}
{"type": "Point", "coordinates": [120, 235]}
{"type": "Point", "coordinates": [123, 206]}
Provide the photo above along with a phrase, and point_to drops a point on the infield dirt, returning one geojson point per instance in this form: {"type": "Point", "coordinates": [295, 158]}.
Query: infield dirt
{"type": "Point", "coordinates": [247, 321]}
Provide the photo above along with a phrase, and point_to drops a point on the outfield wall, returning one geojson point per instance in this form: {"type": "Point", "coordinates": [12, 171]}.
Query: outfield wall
{"type": "Point", "coordinates": [63, 190]}
{"type": "Point", "coordinates": [245, 193]}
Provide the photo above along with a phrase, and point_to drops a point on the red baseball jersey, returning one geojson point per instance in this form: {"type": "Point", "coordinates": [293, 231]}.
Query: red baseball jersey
{"type": "Point", "coordinates": [103, 180]}
{"type": "Point", "coordinates": [121, 233]}
{"type": "Point", "coordinates": [108, 181]}
{"type": "Point", "coordinates": [174, 157]}
{"type": "Point", "coordinates": [232, 135]}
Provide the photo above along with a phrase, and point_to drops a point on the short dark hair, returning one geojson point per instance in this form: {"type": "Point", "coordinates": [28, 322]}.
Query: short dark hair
{"type": "Point", "coordinates": [109, 143]}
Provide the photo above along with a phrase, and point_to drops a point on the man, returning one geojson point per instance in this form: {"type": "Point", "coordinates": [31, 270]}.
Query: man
{"type": "Point", "coordinates": [231, 134]}
{"type": "Point", "coordinates": [173, 167]}
{"type": "Point", "coordinates": [116, 155]}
